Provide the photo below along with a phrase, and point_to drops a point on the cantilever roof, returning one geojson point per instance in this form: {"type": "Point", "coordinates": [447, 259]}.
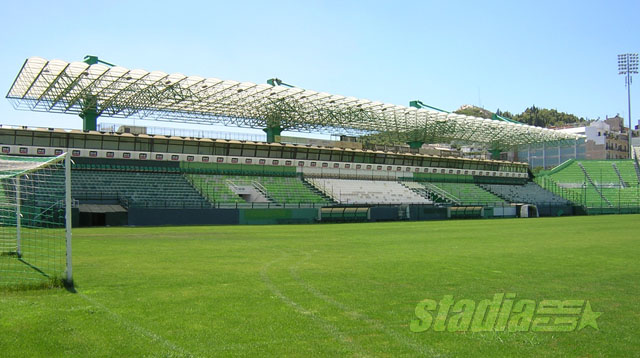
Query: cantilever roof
{"type": "Point", "coordinates": [59, 86]}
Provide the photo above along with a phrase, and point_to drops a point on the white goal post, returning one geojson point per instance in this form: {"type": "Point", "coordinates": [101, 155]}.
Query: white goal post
{"type": "Point", "coordinates": [35, 221]}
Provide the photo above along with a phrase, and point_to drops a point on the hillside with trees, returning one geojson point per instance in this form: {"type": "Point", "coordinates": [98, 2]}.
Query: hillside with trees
{"type": "Point", "coordinates": [540, 117]}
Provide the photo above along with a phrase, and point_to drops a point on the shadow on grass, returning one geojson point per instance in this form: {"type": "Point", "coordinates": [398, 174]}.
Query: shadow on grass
{"type": "Point", "coordinates": [46, 283]}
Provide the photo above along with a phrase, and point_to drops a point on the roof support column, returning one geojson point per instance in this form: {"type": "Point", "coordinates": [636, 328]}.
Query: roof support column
{"type": "Point", "coordinates": [272, 132]}
{"type": "Point", "coordinates": [90, 114]}
{"type": "Point", "coordinates": [495, 153]}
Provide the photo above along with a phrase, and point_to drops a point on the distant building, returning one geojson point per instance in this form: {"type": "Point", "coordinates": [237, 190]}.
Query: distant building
{"type": "Point", "coordinates": [606, 139]}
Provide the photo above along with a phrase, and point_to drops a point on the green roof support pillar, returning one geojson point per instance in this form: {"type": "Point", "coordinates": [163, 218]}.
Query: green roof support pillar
{"type": "Point", "coordinates": [272, 132]}
{"type": "Point", "coordinates": [89, 114]}
{"type": "Point", "coordinates": [495, 153]}
{"type": "Point", "coordinates": [415, 144]}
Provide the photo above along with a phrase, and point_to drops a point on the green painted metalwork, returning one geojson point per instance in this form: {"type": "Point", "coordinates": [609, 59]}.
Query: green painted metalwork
{"type": "Point", "coordinates": [93, 60]}
{"type": "Point", "coordinates": [416, 144]}
{"type": "Point", "coordinates": [420, 104]}
{"type": "Point", "coordinates": [495, 153]}
{"type": "Point", "coordinates": [272, 132]}
{"type": "Point", "coordinates": [278, 82]}
{"type": "Point", "coordinates": [89, 113]}
{"type": "Point", "coordinates": [89, 120]}
{"type": "Point", "coordinates": [58, 86]}
{"type": "Point", "coordinates": [496, 117]}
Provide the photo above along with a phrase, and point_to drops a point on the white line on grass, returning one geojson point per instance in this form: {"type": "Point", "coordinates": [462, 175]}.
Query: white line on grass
{"type": "Point", "coordinates": [358, 316]}
{"type": "Point", "coordinates": [138, 329]}
{"type": "Point", "coordinates": [328, 327]}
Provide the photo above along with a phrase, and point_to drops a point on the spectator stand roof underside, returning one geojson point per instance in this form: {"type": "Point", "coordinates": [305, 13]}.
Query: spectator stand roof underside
{"type": "Point", "coordinates": [114, 91]}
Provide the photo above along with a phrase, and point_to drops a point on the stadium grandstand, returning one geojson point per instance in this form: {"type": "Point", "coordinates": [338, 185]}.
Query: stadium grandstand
{"type": "Point", "coordinates": [601, 186]}
{"type": "Point", "coordinates": [128, 177]}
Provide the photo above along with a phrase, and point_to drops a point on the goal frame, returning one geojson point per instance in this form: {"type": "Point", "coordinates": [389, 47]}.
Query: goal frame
{"type": "Point", "coordinates": [64, 158]}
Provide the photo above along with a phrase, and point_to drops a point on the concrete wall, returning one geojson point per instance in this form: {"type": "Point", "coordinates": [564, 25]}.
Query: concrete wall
{"type": "Point", "coordinates": [150, 217]}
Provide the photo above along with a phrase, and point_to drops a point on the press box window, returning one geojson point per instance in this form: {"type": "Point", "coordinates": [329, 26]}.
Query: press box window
{"type": "Point", "coordinates": [126, 155]}
{"type": "Point", "coordinates": [110, 154]}
{"type": "Point", "coordinates": [75, 153]}
{"type": "Point", "coordinates": [142, 156]}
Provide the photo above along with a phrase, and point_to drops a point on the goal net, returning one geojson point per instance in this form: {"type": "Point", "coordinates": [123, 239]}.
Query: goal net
{"type": "Point", "coordinates": [35, 221]}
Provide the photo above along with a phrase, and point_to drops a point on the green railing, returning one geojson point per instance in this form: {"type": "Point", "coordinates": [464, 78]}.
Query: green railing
{"type": "Point", "coordinates": [550, 185]}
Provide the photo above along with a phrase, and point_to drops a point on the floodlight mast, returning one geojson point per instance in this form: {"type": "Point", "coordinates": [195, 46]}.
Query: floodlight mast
{"type": "Point", "coordinates": [628, 65]}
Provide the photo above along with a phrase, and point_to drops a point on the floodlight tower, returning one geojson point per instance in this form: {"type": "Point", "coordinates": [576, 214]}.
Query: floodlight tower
{"type": "Point", "coordinates": [628, 65]}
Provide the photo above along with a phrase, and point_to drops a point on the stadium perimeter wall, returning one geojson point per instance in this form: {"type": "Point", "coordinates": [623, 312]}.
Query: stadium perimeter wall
{"type": "Point", "coordinates": [155, 217]}
{"type": "Point", "coordinates": [272, 216]}
{"type": "Point", "coordinates": [275, 216]}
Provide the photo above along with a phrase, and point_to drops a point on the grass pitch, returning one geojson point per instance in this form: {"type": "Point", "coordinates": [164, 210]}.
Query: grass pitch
{"type": "Point", "coordinates": [345, 290]}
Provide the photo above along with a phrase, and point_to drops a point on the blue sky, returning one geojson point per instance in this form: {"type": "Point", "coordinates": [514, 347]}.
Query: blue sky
{"type": "Point", "coordinates": [496, 54]}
